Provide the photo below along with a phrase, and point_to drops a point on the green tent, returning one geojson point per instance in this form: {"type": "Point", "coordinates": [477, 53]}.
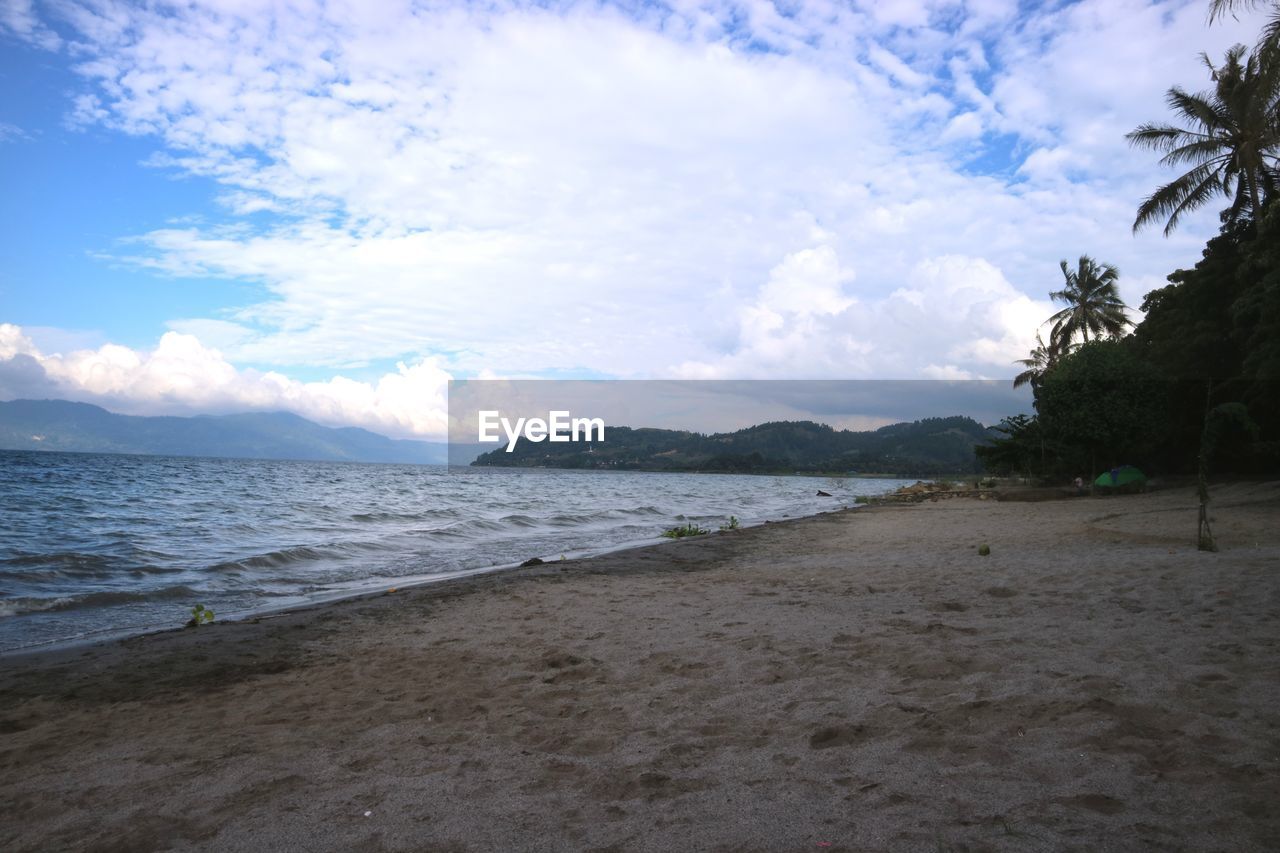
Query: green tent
{"type": "Point", "coordinates": [1118, 478]}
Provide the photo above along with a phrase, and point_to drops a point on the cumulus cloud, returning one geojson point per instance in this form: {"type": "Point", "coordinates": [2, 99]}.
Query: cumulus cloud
{"type": "Point", "coordinates": [955, 317]}
{"type": "Point", "coordinates": [182, 376]}
{"type": "Point", "coordinates": [695, 188]}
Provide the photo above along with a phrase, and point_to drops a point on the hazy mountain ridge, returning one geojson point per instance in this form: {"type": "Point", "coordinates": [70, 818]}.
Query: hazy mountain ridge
{"type": "Point", "coordinates": [923, 447]}
{"type": "Point", "coordinates": [59, 425]}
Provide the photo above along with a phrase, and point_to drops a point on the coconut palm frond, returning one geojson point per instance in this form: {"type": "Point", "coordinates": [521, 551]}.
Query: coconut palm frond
{"type": "Point", "coordinates": [1093, 303]}
{"type": "Point", "coordinates": [1220, 9]}
{"type": "Point", "coordinates": [1229, 141]}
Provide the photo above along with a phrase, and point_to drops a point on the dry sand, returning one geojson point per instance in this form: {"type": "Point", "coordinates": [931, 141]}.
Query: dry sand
{"type": "Point", "coordinates": [857, 681]}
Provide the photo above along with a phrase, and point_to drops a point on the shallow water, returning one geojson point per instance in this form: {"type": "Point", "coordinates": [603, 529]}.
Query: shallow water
{"type": "Point", "coordinates": [100, 544]}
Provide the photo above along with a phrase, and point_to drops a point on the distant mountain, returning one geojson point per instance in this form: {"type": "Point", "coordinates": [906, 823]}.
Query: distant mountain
{"type": "Point", "coordinates": [80, 427]}
{"type": "Point", "coordinates": [920, 448]}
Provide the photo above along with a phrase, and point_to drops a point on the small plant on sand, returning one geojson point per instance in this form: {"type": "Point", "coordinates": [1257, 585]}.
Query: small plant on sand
{"type": "Point", "coordinates": [984, 550]}
{"type": "Point", "coordinates": [200, 615]}
{"type": "Point", "coordinates": [732, 525]}
{"type": "Point", "coordinates": [681, 532]}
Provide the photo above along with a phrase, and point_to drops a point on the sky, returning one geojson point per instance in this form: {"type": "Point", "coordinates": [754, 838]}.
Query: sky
{"type": "Point", "coordinates": [334, 208]}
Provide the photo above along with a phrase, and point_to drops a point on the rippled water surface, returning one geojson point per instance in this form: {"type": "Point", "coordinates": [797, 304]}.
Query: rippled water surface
{"type": "Point", "coordinates": [100, 544]}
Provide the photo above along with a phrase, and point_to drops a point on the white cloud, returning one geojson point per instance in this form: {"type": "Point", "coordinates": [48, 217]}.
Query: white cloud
{"type": "Point", "coordinates": [1078, 77]}
{"type": "Point", "coordinates": [19, 18]}
{"type": "Point", "coordinates": [965, 126]}
{"type": "Point", "coordinates": [946, 371]}
{"type": "Point", "coordinates": [896, 68]}
{"type": "Point", "coordinates": [182, 376]}
{"type": "Point", "coordinates": [10, 132]}
{"type": "Point", "coordinates": [521, 189]}
{"type": "Point", "coordinates": [951, 311]}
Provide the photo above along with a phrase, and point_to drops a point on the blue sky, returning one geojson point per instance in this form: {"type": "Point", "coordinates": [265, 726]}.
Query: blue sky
{"type": "Point", "coordinates": [334, 208]}
{"type": "Point", "coordinates": [74, 198]}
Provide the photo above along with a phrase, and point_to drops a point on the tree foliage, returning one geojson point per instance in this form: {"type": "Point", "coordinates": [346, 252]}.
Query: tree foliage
{"type": "Point", "coordinates": [1101, 407]}
{"type": "Point", "coordinates": [1093, 304]}
{"type": "Point", "coordinates": [1206, 355]}
{"type": "Point", "coordinates": [1213, 330]}
{"type": "Point", "coordinates": [1017, 449]}
{"type": "Point", "coordinates": [1041, 360]}
{"type": "Point", "coordinates": [1269, 40]}
{"type": "Point", "coordinates": [1228, 138]}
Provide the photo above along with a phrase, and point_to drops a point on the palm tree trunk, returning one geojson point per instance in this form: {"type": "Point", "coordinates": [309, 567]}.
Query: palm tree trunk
{"type": "Point", "coordinates": [1257, 204]}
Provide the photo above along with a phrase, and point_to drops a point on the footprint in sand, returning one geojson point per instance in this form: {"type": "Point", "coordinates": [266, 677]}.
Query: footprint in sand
{"type": "Point", "coordinates": [832, 736]}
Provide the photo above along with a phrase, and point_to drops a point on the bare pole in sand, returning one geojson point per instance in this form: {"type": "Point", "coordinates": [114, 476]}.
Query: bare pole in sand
{"type": "Point", "coordinates": [1204, 533]}
{"type": "Point", "coordinates": [1218, 422]}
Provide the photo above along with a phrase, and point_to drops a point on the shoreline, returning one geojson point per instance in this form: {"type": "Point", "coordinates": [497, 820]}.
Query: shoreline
{"type": "Point", "coordinates": [858, 679]}
{"type": "Point", "coordinates": [78, 646]}
{"type": "Point", "coordinates": [112, 635]}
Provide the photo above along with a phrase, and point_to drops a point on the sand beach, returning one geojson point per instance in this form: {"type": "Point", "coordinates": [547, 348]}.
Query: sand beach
{"type": "Point", "coordinates": [856, 681]}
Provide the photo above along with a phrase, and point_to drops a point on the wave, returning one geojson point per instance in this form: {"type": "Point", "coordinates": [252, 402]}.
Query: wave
{"type": "Point", "coordinates": [69, 559]}
{"type": "Point", "coordinates": [301, 534]}
{"type": "Point", "coordinates": [37, 568]}
{"type": "Point", "coordinates": [19, 606]}
{"type": "Point", "coordinates": [405, 516]}
{"type": "Point", "coordinates": [571, 519]}
{"type": "Point", "coordinates": [484, 528]}
{"type": "Point", "coordinates": [297, 554]}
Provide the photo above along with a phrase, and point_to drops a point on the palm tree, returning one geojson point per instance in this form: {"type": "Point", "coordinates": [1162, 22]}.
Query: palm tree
{"type": "Point", "coordinates": [1231, 142]}
{"type": "Point", "coordinates": [1093, 303]}
{"type": "Point", "coordinates": [1270, 40]}
{"type": "Point", "coordinates": [1041, 361]}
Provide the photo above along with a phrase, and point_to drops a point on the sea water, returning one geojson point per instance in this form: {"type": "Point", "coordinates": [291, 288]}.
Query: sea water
{"type": "Point", "coordinates": [95, 545]}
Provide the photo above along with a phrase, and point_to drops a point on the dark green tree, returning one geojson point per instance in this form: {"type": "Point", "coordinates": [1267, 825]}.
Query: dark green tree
{"type": "Point", "coordinates": [1018, 449]}
{"type": "Point", "coordinates": [1101, 407]}
{"type": "Point", "coordinates": [1217, 327]}
{"type": "Point", "coordinates": [1187, 325]}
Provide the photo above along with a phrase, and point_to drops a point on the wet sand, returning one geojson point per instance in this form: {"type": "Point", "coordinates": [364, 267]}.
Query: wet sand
{"type": "Point", "coordinates": [856, 681]}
